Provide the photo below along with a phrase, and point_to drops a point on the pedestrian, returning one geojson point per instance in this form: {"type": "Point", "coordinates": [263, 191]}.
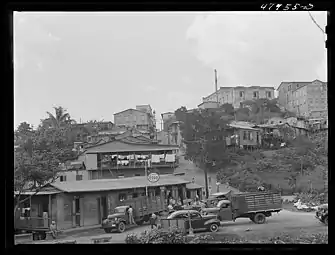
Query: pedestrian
{"type": "Point", "coordinates": [53, 229]}
{"type": "Point", "coordinates": [131, 215]}
{"type": "Point", "coordinates": [153, 219]}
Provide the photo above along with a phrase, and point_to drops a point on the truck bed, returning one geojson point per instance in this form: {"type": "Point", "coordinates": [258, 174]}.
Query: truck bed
{"type": "Point", "coordinates": [257, 201]}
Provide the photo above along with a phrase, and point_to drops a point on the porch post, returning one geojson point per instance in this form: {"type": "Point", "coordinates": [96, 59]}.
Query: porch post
{"type": "Point", "coordinates": [50, 209]}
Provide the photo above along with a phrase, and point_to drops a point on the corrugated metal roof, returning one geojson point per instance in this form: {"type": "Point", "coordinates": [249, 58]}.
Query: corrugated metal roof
{"type": "Point", "coordinates": [117, 184]}
{"type": "Point", "coordinates": [44, 191]}
{"type": "Point", "coordinates": [242, 127]}
{"type": "Point", "coordinates": [193, 186]}
{"type": "Point", "coordinates": [119, 146]}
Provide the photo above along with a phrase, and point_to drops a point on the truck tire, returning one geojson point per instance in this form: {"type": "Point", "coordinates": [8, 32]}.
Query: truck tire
{"type": "Point", "coordinates": [325, 220]}
{"type": "Point", "coordinates": [214, 227]}
{"type": "Point", "coordinates": [121, 227]}
{"type": "Point", "coordinates": [259, 218]}
{"type": "Point", "coordinates": [107, 230]}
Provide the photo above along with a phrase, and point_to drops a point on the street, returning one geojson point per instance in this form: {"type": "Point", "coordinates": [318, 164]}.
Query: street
{"type": "Point", "coordinates": [285, 221]}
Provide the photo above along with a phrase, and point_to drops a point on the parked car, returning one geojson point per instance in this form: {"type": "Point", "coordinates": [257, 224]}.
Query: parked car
{"type": "Point", "coordinates": [253, 205]}
{"type": "Point", "coordinates": [198, 222]}
{"type": "Point", "coordinates": [322, 214]}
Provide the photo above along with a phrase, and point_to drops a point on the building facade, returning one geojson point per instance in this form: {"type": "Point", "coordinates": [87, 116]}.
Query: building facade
{"type": "Point", "coordinates": [307, 99]}
{"type": "Point", "coordinates": [239, 94]}
{"type": "Point", "coordinates": [208, 105]}
{"type": "Point", "coordinates": [141, 119]}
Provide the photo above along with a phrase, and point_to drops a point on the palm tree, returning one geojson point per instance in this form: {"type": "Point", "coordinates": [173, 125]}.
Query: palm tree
{"type": "Point", "coordinates": [60, 120]}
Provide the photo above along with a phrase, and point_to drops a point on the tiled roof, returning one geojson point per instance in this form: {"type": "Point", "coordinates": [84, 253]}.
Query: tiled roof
{"type": "Point", "coordinates": [119, 146]}
{"type": "Point", "coordinates": [130, 109]}
{"type": "Point", "coordinates": [117, 184]}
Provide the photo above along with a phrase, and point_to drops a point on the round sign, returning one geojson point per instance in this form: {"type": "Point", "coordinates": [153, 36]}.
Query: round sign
{"type": "Point", "coordinates": [153, 177]}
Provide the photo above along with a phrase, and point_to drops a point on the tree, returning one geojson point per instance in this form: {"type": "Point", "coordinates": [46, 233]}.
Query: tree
{"type": "Point", "coordinates": [37, 160]}
{"type": "Point", "coordinates": [61, 119]}
{"type": "Point", "coordinates": [204, 134]}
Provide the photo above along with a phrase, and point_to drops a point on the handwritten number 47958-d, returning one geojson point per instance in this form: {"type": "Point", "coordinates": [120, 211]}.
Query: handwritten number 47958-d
{"type": "Point", "coordinates": [286, 7]}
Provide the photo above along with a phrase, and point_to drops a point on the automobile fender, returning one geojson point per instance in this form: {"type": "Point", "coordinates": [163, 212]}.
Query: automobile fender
{"type": "Point", "coordinates": [208, 222]}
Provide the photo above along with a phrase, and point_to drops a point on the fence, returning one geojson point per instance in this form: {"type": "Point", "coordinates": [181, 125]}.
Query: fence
{"type": "Point", "coordinates": [170, 223]}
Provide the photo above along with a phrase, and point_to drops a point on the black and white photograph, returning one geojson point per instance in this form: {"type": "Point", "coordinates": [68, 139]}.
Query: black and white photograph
{"type": "Point", "coordinates": [171, 127]}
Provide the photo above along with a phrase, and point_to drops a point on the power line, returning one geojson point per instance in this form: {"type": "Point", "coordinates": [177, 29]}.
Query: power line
{"type": "Point", "coordinates": [310, 15]}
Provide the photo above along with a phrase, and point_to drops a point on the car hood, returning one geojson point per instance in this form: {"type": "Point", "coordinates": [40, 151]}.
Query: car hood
{"type": "Point", "coordinates": [212, 210]}
{"type": "Point", "coordinates": [115, 215]}
{"type": "Point", "coordinates": [209, 216]}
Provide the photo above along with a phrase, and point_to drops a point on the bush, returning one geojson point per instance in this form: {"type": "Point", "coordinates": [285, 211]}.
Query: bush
{"type": "Point", "coordinates": [172, 236]}
{"type": "Point", "coordinates": [320, 238]}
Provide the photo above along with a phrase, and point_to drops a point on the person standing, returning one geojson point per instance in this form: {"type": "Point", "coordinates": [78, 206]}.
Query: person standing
{"type": "Point", "coordinates": [131, 215]}
{"type": "Point", "coordinates": [153, 219]}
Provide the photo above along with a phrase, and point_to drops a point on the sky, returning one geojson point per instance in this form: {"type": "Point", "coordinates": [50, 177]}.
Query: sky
{"type": "Point", "coordinates": [98, 64]}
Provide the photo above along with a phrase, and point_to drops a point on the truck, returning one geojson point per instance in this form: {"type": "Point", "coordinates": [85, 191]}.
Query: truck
{"type": "Point", "coordinates": [322, 214]}
{"type": "Point", "coordinates": [143, 208]}
{"type": "Point", "coordinates": [256, 206]}
{"type": "Point", "coordinates": [38, 226]}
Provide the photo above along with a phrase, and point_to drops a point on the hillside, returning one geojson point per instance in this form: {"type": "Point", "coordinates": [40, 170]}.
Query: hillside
{"type": "Point", "coordinates": [302, 167]}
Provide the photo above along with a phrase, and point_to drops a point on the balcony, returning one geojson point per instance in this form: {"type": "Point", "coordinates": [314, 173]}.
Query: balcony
{"type": "Point", "coordinates": [128, 164]}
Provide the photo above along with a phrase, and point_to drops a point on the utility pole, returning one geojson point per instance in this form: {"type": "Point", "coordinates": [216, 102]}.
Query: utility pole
{"type": "Point", "coordinates": [204, 159]}
{"type": "Point", "coordinates": [216, 87]}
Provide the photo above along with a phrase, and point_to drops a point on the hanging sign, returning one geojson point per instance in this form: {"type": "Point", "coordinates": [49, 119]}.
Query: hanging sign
{"type": "Point", "coordinates": [153, 177]}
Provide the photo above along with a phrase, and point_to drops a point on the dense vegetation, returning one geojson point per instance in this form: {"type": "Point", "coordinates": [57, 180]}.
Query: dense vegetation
{"type": "Point", "coordinates": [176, 236]}
{"type": "Point", "coordinates": [202, 132]}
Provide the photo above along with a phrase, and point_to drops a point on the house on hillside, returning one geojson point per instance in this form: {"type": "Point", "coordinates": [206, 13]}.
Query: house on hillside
{"type": "Point", "coordinates": [243, 136]}
{"type": "Point", "coordinates": [87, 203]}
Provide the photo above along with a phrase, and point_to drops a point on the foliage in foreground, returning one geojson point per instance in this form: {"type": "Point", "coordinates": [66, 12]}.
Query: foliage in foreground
{"type": "Point", "coordinates": [176, 236]}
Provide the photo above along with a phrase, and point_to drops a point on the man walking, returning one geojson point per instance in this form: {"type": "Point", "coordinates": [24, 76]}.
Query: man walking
{"type": "Point", "coordinates": [153, 221]}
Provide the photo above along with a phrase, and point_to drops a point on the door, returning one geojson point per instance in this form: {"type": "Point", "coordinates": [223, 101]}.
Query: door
{"type": "Point", "coordinates": [99, 210]}
{"type": "Point", "coordinates": [104, 208]}
{"type": "Point", "coordinates": [76, 212]}
{"type": "Point", "coordinates": [197, 221]}
{"type": "Point", "coordinates": [226, 213]}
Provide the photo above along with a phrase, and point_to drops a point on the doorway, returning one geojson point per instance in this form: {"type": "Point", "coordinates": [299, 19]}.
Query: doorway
{"type": "Point", "coordinates": [77, 211]}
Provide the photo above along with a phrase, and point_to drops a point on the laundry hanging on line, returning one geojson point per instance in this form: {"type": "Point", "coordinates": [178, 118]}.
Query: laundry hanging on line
{"type": "Point", "coordinates": [170, 158]}
{"type": "Point", "coordinates": [155, 158]}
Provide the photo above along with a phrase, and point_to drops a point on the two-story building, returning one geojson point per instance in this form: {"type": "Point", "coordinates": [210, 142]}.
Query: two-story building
{"type": "Point", "coordinates": [239, 94]}
{"type": "Point", "coordinates": [141, 118]}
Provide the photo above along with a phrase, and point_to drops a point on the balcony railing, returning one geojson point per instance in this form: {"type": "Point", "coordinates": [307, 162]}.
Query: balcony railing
{"type": "Point", "coordinates": [132, 164]}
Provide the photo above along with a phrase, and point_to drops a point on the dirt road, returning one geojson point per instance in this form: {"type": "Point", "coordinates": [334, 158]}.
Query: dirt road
{"type": "Point", "coordinates": [285, 221]}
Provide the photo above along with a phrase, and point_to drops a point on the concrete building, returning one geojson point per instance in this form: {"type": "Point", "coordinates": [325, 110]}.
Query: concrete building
{"type": "Point", "coordinates": [239, 94]}
{"type": "Point", "coordinates": [141, 118]}
{"type": "Point", "coordinates": [307, 99]}
{"type": "Point", "coordinates": [208, 105]}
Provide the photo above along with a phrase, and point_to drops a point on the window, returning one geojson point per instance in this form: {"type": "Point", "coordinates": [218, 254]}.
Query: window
{"type": "Point", "coordinates": [120, 176]}
{"type": "Point", "coordinates": [62, 178]}
{"type": "Point", "coordinates": [122, 197]}
{"type": "Point", "coordinates": [79, 177]}
{"type": "Point", "coordinates": [195, 215]}
{"type": "Point", "coordinates": [268, 94]}
{"type": "Point", "coordinates": [245, 135]}
{"type": "Point", "coordinates": [256, 94]}
{"type": "Point", "coordinates": [289, 87]}
{"type": "Point", "coordinates": [241, 93]}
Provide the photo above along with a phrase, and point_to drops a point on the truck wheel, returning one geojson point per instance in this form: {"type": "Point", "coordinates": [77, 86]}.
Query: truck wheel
{"type": "Point", "coordinates": [107, 230]}
{"type": "Point", "coordinates": [121, 227]}
{"type": "Point", "coordinates": [259, 218]}
{"type": "Point", "coordinates": [325, 220]}
{"type": "Point", "coordinates": [214, 227]}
